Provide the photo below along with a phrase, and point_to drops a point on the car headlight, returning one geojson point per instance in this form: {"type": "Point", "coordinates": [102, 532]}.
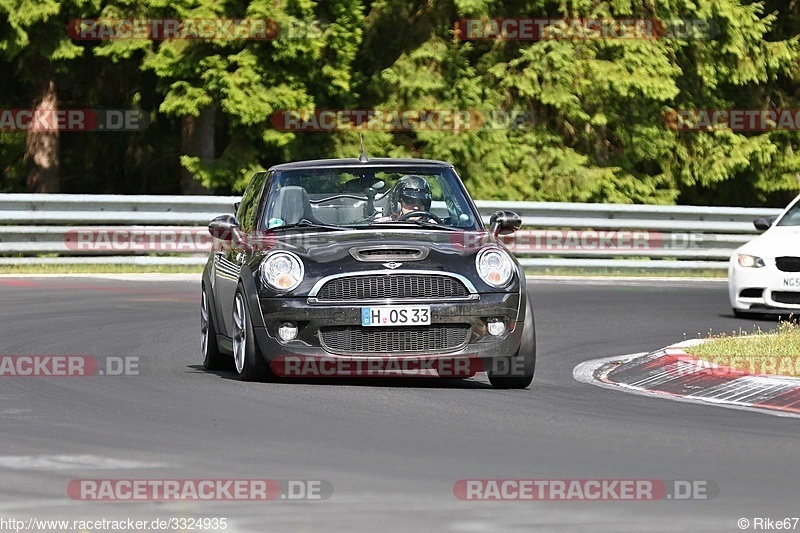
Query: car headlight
{"type": "Point", "coordinates": [750, 261]}
{"type": "Point", "coordinates": [282, 271]}
{"type": "Point", "coordinates": [495, 267]}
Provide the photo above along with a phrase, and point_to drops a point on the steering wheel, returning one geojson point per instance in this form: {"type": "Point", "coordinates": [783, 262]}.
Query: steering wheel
{"type": "Point", "coordinates": [424, 214]}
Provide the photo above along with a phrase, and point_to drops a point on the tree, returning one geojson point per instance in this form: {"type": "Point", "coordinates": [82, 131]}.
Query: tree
{"type": "Point", "coordinates": [596, 108]}
{"type": "Point", "coordinates": [563, 119]}
{"type": "Point", "coordinates": [231, 88]}
{"type": "Point", "coordinates": [35, 40]}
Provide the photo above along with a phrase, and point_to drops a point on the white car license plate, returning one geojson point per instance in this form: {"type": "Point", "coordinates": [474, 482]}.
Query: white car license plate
{"type": "Point", "coordinates": [791, 283]}
{"type": "Point", "coordinates": [396, 315]}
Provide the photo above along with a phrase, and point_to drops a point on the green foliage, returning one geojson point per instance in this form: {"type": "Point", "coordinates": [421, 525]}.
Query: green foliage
{"type": "Point", "coordinates": [597, 111]}
{"type": "Point", "coordinates": [598, 106]}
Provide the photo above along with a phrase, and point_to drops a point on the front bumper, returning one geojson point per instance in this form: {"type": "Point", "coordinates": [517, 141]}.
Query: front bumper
{"type": "Point", "coordinates": [310, 318]}
{"type": "Point", "coordinates": [760, 286]}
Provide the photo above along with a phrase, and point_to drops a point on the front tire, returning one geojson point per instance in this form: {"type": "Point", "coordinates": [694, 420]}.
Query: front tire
{"type": "Point", "coordinates": [250, 365]}
{"type": "Point", "coordinates": [525, 358]}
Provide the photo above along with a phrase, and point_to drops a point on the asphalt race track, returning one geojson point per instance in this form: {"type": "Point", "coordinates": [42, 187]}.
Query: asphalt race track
{"type": "Point", "coordinates": [391, 449]}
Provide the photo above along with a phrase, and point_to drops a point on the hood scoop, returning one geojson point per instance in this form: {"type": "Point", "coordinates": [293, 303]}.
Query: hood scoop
{"type": "Point", "coordinates": [388, 252]}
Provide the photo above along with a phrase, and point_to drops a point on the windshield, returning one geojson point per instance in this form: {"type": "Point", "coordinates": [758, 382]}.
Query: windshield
{"type": "Point", "coordinates": [792, 216]}
{"type": "Point", "coordinates": [367, 197]}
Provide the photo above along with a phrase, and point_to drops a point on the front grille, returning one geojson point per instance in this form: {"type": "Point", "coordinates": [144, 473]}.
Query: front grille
{"type": "Point", "coordinates": [788, 264]}
{"type": "Point", "coordinates": [396, 286]}
{"type": "Point", "coordinates": [436, 338]}
{"type": "Point", "coordinates": [792, 298]}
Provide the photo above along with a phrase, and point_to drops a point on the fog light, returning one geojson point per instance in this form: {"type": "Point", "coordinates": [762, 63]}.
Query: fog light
{"type": "Point", "coordinates": [287, 331]}
{"type": "Point", "coordinates": [497, 326]}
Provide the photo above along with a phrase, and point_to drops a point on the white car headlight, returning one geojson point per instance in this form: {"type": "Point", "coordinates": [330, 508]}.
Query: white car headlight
{"type": "Point", "coordinates": [750, 261]}
{"type": "Point", "coordinates": [282, 271]}
{"type": "Point", "coordinates": [495, 267]}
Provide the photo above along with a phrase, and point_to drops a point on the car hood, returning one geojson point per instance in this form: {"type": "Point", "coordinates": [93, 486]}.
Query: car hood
{"type": "Point", "coordinates": [330, 253]}
{"type": "Point", "coordinates": [331, 246]}
{"type": "Point", "coordinates": [775, 242]}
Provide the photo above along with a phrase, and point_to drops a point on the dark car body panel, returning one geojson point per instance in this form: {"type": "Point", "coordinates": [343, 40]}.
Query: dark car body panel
{"type": "Point", "coordinates": [328, 254]}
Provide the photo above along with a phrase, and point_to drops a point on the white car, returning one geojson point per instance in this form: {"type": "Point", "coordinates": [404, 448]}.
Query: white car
{"type": "Point", "coordinates": [764, 274]}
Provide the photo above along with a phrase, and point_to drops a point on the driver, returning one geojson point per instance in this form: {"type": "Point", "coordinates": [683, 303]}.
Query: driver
{"type": "Point", "coordinates": [411, 193]}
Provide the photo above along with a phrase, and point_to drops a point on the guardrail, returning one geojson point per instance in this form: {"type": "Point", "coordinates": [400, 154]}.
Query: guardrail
{"type": "Point", "coordinates": [48, 229]}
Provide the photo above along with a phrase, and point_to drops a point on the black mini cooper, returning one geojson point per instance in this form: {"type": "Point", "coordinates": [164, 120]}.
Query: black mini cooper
{"type": "Point", "coordinates": [353, 266]}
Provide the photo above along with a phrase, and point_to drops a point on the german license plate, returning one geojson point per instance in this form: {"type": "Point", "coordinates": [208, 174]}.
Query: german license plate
{"type": "Point", "coordinates": [396, 315]}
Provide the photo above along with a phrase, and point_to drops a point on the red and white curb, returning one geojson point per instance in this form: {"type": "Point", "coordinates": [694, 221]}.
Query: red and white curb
{"type": "Point", "coordinates": [672, 373]}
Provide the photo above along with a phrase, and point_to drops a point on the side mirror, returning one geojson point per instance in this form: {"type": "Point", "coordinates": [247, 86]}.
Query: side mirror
{"type": "Point", "coordinates": [226, 228]}
{"type": "Point", "coordinates": [504, 222]}
{"type": "Point", "coordinates": [764, 223]}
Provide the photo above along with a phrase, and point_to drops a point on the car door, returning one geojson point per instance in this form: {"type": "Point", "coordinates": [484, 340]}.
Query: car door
{"type": "Point", "coordinates": [229, 259]}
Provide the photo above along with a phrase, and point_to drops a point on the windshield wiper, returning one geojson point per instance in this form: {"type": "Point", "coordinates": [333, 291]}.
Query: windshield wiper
{"type": "Point", "coordinates": [307, 224]}
{"type": "Point", "coordinates": [423, 223]}
{"type": "Point", "coordinates": [432, 225]}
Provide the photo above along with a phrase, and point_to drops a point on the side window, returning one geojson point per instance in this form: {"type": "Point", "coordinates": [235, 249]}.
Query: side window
{"type": "Point", "coordinates": [248, 209]}
{"type": "Point", "coordinates": [792, 217]}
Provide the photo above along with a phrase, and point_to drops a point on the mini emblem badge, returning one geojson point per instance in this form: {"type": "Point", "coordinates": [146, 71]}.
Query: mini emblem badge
{"type": "Point", "coordinates": [393, 265]}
